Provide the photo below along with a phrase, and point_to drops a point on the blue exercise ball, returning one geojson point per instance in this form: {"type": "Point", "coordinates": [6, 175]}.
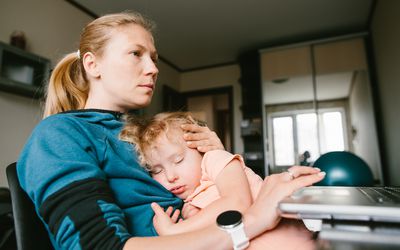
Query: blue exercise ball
{"type": "Point", "coordinates": [344, 169]}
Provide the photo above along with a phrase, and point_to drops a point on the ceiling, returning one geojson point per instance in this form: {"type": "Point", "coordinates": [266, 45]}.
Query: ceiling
{"type": "Point", "coordinates": [198, 34]}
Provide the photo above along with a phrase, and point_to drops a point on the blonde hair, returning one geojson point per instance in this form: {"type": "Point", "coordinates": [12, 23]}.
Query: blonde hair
{"type": "Point", "coordinates": [68, 87]}
{"type": "Point", "coordinates": [143, 133]}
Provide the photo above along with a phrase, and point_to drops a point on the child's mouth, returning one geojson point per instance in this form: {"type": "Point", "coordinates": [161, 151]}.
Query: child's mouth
{"type": "Point", "coordinates": [178, 190]}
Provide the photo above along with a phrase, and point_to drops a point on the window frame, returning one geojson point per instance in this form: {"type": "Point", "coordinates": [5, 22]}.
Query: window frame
{"type": "Point", "coordinates": [293, 113]}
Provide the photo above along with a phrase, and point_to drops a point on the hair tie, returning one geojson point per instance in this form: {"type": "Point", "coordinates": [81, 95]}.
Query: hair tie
{"type": "Point", "coordinates": [78, 54]}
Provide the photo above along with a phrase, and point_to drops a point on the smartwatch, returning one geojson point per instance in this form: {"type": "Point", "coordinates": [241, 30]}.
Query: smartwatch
{"type": "Point", "coordinates": [231, 222]}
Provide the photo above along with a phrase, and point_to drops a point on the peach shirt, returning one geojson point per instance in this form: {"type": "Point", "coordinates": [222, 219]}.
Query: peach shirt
{"type": "Point", "coordinates": [213, 163]}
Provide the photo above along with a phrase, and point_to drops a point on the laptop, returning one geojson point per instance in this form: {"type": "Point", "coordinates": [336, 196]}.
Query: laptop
{"type": "Point", "coordinates": [383, 235]}
{"type": "Point", "coordinates": [317, 203]}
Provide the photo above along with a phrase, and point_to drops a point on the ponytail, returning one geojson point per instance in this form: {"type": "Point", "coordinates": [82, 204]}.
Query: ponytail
{"type": "Point", "coordinates": [67, 88]}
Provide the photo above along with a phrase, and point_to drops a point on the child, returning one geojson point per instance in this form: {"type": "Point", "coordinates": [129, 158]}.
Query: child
{"type": "Point", "coordinates": [208, 183]}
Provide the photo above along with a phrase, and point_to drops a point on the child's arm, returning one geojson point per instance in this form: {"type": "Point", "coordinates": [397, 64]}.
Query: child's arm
{"type": "Point", "coordinates": [235, 194]}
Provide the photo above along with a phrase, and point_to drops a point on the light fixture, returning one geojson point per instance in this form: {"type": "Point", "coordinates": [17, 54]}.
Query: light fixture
{"type": "Point", "coordinates": [280, 80]}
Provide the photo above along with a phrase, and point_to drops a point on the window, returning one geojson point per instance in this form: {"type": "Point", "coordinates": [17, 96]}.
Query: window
{"type": "Point", "coordinates": [294, 133]}
{"type": "Point", "coordinates": [284, 142]}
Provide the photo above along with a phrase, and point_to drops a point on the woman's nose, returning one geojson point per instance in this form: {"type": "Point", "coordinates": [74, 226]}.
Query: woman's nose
{"type": "Point", "coordinates": [151, 67]}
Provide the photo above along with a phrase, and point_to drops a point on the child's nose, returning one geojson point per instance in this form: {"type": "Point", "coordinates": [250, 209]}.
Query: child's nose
{"type": "Point", "coordinates": [171, 176]}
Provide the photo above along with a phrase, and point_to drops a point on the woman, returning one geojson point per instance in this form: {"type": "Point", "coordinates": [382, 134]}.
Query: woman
{"type": "Point", "coordinates": [85, 183]}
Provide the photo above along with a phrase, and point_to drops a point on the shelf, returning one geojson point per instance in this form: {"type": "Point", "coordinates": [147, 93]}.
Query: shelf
{"type": "Point", "coordinates": [21, 72]}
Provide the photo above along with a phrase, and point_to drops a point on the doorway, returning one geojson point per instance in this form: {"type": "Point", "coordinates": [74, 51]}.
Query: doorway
{"type": "Point", "coordinates": [213, 106]}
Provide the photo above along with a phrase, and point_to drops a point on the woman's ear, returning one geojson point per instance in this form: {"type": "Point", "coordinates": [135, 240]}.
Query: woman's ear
{"type": "Point", "coordinates": [90, 64]}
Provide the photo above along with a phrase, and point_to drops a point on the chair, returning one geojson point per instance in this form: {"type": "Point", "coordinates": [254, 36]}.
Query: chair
{"type": "Point", "coordinates": [30, 231]}
{"type": "Point", "coordinates": [7, 234]}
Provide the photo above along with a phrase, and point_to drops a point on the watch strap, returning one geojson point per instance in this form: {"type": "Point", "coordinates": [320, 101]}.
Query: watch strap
{"type": "Point", "coordinates": [239, 238]}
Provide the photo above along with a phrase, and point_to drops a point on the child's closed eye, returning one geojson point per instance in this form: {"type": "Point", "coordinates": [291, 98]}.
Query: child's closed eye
{"type": "Point", "coordinates": [179, 159]}
{"type": "Point", "coordinates": [156, 171]}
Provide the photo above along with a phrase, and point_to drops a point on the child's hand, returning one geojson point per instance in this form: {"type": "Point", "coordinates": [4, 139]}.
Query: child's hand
{"type": "Point", "coordinates": [164, 221]}
{"type": "Point", "coordinates": [189, 210]}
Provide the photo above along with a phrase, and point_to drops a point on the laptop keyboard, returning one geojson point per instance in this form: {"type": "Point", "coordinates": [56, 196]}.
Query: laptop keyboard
{"type": "Point", "coordinates": [382, 194]}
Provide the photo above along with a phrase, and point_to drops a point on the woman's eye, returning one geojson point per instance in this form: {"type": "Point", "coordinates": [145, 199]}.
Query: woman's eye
{"type": "Point", "coordinates": [136, 53]}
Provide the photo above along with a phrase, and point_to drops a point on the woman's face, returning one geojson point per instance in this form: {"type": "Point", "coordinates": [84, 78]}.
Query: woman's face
{"type": "Point", "coordinates": [127, 70]}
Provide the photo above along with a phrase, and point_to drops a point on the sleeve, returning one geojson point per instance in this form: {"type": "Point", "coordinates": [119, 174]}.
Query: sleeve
{"type": "Point", "coordinates": [215, 161]}
{"type": "Point", "coordinates": [60, 170]}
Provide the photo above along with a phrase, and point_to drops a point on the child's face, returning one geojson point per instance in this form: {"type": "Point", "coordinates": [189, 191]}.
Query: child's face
{"type": "Point", "coordinates": [175, 166]}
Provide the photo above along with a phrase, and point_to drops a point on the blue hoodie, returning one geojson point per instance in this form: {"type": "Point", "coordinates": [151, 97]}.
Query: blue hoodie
{"type": "Point", "coordinates": [86, 184]}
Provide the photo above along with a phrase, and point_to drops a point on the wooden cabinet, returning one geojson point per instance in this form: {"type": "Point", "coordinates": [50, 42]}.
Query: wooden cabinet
{"type": "Point", "coordinates": [251, 127]}
{"type": "Point", "coordinates": [286, 63]}
{"type": "Point", "coordinates": [329, 57]}
{"type": "Point", "coordinates": [340, 56]}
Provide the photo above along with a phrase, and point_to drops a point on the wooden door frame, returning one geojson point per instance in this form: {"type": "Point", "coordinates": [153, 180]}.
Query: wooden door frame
{"type": "Point", "coordinates": [216, 91]}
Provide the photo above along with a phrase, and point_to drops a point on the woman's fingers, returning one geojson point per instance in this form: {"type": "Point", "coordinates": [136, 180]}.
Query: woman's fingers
{"type": "Point", "coordinates": [283, 188]}
{"type": "Point", "coordinates": [169, 211]}
{"type": "Point", "coordinates": [296, 171]}
{"type": "Point", "coordinates": [193, 128]}
{"type": "Point", "coordinates": [157, 209]}
{"type": "Point", "coordinates": [274, 189]}
{"type": "Point", "coordinates": [175, 215]}
{"type": "Point", "coordinates": [307, 180]}
{"type": "Point", "coordinates": [201, 138]}
{"type": "Point", "coordinates": [282, 184]}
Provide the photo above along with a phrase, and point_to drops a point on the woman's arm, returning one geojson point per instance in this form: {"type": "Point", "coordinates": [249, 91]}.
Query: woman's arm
{"type": "Point", "coordinates": [47, 167]}
{"type": "Point", "coordinates": [210, 237]}
{"type": "Point", "coordinates": [59, 169]}
{"type": "Point", "coordinates": [261, 216]}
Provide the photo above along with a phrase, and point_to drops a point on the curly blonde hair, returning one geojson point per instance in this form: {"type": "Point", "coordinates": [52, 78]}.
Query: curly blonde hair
{"type": "Point", "coordinates": [144, 133]}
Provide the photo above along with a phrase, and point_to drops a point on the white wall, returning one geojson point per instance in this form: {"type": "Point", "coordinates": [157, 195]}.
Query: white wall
{"type": "Point", "coordinates": [18, 117]}
{"type": "Point", "coordinates": [52, 28]}
{"type": "Point", "coordinates": [215, 78]}
{"type": "Point", "coordinates": [386, 40]}
{"type": "Point", "coordinates": [365, 141]}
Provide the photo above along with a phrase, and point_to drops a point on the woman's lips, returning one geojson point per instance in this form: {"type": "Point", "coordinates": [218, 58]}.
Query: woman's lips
{"type": "Point", "coordinates": [178, 190]}
{"type": "Point", "coordinates": [149, 86]}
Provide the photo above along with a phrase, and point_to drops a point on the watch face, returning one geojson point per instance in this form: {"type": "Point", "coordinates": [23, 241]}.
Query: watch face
{"type": "Point", "coordinates": [229, 219]}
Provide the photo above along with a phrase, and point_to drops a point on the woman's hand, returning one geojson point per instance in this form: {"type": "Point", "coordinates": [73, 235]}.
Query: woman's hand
{"type": "Point", "coordinates": [164, 221]}
{"type": "Point", "coordinates": [263, 214]}
{"type": "Point", "coordinates": [201, 138]}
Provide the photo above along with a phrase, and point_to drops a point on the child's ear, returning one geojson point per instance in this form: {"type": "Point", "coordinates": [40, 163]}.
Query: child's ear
{"type": "Point", "coordinates": [91, 65]}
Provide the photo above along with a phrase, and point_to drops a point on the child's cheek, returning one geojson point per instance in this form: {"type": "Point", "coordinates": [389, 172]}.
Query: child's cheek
{"type": "Point", "coordinates": [160, 179]}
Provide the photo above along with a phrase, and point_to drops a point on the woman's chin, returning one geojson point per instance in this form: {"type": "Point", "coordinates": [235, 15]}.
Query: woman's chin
{"type": "Point", "coordinates": [141, 104]}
